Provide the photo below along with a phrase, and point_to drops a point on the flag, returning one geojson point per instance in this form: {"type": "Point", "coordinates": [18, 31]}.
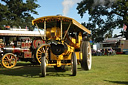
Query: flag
{"type": "Point", "coordinates": [124, 27]}
{"type": "Point", "coordinates": [26, 27]}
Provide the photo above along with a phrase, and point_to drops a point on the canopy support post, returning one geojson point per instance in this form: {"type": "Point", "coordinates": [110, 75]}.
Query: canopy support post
{"type": "Point", "coordinates": [61, 30]}
{"type": "Point", "coordinates": [44, 30]}
{"type": "Point", "coordinates": [67, 30]}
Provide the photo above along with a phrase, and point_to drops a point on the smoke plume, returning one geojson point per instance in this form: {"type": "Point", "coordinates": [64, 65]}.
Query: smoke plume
{"type": "Point", "coordinates": [67, 4]}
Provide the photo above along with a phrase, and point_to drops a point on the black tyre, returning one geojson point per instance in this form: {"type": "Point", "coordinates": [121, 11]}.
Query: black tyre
{"type": "Point", "coordinates": [73, 64]}
{"type": "Point", "coordinates": [43, 66]}
{"type": "Point", "coordinates": [86, 61]}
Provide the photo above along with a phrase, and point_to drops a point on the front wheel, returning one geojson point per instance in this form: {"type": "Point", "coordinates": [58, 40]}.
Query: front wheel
{"type": "Point", "coordinates": [9, 60]}
{"type": "Point", "coordinates": [73, 64]}
{"type": "Point", "coordinates": [43, 66]}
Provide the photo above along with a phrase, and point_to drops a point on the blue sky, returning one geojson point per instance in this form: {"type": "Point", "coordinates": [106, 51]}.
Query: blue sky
{"type": "Point", "coordinates": [54, 7]}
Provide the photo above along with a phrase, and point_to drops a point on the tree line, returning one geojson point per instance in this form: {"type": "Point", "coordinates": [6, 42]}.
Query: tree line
{"type": "Point", "coordinates": [104, 15]}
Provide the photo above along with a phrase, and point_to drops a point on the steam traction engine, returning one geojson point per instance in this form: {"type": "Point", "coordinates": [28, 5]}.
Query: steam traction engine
{"type": "Point", "coordinates": [65, 44]}
{"type": "Point", "coordinates": [18, 45]}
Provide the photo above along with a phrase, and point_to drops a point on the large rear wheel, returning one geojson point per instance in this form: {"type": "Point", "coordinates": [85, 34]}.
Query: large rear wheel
{"type": "Point", "coordinates": [86, 55]}
{"type": "Point", "coordinates": [9, 60]}
{"type": "Point", "coordinates": [42, 49]}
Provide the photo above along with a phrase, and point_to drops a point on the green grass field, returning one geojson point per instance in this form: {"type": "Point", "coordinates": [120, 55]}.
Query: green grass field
{"type": "Point", "coordinates": [106, 70]}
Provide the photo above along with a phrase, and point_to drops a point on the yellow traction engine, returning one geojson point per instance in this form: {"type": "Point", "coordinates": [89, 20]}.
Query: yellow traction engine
{"type": "Point", "coordinates": [66, 44]}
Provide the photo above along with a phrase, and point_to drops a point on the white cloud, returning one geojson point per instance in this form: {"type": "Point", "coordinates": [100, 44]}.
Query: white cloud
{"type": "Point", "coordinates": [67, 4]}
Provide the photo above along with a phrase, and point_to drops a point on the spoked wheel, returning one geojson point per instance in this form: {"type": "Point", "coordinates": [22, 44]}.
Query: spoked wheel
{"type": "Point", "coordinates": [86, 55]}
{"type": "Point", "coordinates": [73, 64]}
{"type": "Point", "coordinates": [43, 66]}
{"type": "Point", "coordinates": [42, 49]}
{"type": "Point", "coordinates": [9, 60]}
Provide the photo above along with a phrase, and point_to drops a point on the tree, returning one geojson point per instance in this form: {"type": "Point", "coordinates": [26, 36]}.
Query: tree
{"type": "Point", "coordinates": [96, 36]}
{"type": "Point", "coordinates": [108, 35]}
{"type": "Point", "coordinates": [105, 14]}
{"type": "Point", "coordinates": [17, 13]}
{"type": "Point", "coordinates": [115, 36]}
{"type": "Point", "coordinates": [3, 12]}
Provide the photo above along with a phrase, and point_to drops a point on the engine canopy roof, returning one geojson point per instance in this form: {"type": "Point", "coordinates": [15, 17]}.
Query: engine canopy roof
{"type": "Point", "coordinates": [52, 21]}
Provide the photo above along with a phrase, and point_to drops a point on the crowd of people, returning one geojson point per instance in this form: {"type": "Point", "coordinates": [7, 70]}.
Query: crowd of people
{"type": "Point", "coordinates": [101, 52]}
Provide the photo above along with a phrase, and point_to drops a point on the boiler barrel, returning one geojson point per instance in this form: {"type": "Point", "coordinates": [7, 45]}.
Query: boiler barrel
{"type": "Point", "coordinates": [14, 50]}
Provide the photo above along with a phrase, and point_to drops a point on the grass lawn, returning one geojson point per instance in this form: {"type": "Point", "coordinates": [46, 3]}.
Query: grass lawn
{"type": "Point", "coordinates": [106, 70]}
